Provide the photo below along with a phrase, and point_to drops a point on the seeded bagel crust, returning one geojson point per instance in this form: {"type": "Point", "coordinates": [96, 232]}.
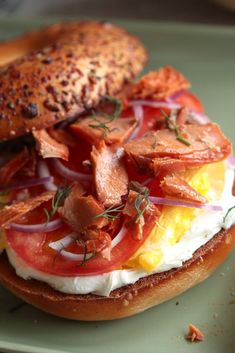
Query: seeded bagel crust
{"type": "Point", "coordinates": [126, 301]}
{"type": "Point", "coordinates": [61, 71]}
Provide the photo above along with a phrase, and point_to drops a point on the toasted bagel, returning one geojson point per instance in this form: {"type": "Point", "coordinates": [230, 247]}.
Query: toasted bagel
{"type": "Point", "coordinates": [62, 70]}
{"type": "Point", "coordinates": [126, 301]}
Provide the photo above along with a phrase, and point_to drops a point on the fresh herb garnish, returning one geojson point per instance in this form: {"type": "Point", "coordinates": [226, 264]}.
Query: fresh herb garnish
{"type": "Point", "coordinates": [111, 213]}
{"type": "Point", "coordinates": [171, 125]}
{"type": "Point", "coordinates": [57, 201]}
{"type": "Point", "coordinates": [229, 210]}
{"type": "Point", "coordinates": [181, 138]}
{"type": "Point", "coordinates": [117, 106]}
{"type": "Point", "coordinates": [142, 197]}
{"type": "Point", "coordinates": [85, 251]}
{"type": "Point", "coordinates": [103, 124]}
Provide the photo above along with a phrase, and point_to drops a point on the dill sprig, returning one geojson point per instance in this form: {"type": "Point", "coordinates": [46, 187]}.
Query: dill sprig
{"type": "Point", "coordinates": [142, 197]}
{"type": "Point", "coordinates": [227, 213]}
{"type": "Point", "coordinates": [117, 106]}
{"type": "Point", "coordinates": [111, 213]}
{"type": "Point", "coordinates": [57, 201]}
{"type": "Point", "coordinates": [171, 125]}
{"type": "Point", "coordinates": [85, 251]}
{"type": "Point", "coordinates": [108, 118]}
{"type": "Point", "coordinates": [101, 125]}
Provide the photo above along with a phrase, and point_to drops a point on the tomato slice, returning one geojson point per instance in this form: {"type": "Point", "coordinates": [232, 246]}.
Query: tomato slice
{"type": "Point", "coordinates": [189, 100]}
{"type": "Point", "coordinates": [33, 248]}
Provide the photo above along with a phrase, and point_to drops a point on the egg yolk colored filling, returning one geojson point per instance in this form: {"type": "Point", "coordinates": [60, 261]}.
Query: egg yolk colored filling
{"type": "Point", "coordinates": [175, 222]}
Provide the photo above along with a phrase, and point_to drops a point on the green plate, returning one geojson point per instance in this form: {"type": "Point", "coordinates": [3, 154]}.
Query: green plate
{"type": "Point", "coordinates": [206, 55]}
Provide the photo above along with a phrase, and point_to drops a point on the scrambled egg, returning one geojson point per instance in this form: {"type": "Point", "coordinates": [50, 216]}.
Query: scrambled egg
{"type": "Point", "coordinates": [174, 222]}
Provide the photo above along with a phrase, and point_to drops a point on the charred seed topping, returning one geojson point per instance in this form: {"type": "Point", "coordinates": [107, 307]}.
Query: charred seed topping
{"type": "Point", "coordinates": [47, 61]}
{"type": "Point", "coordinates": [30, 111]}
{"type": "Point", "coordinates": [51, 106]}
{"type": "Point", "coordinates": [11, 105]}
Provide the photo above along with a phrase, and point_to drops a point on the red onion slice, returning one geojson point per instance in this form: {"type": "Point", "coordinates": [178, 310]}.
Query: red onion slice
{"type": "Point", "coordinates": [231, 162]}
{"type": "Point", "coordinates": [176, 95]}
{"type": "Point", "coordinates": [170, 104]}
{"type": "Point", "coordinates": [26, 184]}
{"type": "Point", "coordinates": [68, 173]}
{"type": "Point", "coordinates": [138, 112]}
{"type": "Point", "coordinates": [118, 237]}
{"type": "Point", "coordinates": [155, 104]}
{"type": "Point", "coordinates": [39, 227]}
{"type": "Point", "coordinates": [64, 242]}
{"type": "Point", "coordinates": [171, 202]}
{"type": "Point", "coordinates": [75, 257]}
{"type": "Point", "coordinates": [61, 244]}
{"type": "Point", "coordinates": [139, 115]}
{"type": "Point", "coordinates": [43, 172]}
{"type": "Point", "coordinates": [200, 118]}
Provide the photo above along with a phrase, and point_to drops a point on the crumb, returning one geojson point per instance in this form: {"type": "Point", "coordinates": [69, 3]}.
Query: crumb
{"type": "Point", "coordinates": [222, 273]}
{"type": "Point", "coordinates": [232, 294]}
{"type": "Point", "coordinates": [215, 315]}
{"type": "Point", "coordinates": [177, 303]}
{"type": "Point", "coordinates": [194, 334]}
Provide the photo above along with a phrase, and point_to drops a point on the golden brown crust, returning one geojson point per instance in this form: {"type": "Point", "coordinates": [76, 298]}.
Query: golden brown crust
{"type": "Point", "coordinates": [74, 66]}
{"type": "Point", "coordinates": [128, 300]}
{"type": "Point", "coordinates": [18, 47]}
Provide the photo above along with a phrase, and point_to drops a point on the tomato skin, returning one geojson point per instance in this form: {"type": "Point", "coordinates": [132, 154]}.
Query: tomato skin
{"type": "Point", "coordinates": [189, 100]}
{"type": "Point", "coordinates": [33, 249]}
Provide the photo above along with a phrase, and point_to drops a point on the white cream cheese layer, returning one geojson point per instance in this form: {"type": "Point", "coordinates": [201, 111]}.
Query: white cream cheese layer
{"type": "Point", "coordinates": [203, 228]}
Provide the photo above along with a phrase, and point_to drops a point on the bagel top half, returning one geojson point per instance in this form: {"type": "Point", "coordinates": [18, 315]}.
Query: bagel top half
{"type": "Point", "coordinates": [61, 71]}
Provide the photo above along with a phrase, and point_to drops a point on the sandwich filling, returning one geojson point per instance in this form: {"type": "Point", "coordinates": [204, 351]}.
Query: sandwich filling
{"type": "Point", "coordinates": [161, 254]}
{"type": "Point", "coordinates": [130, 189]}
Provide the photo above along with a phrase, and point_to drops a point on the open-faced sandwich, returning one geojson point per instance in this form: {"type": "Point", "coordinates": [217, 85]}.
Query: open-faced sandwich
{"type": "Point", "coordinates": [116, 195]}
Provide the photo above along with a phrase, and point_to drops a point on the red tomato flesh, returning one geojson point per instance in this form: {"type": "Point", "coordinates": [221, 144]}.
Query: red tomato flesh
{"type": "Point", "coordinates": [189, 100]}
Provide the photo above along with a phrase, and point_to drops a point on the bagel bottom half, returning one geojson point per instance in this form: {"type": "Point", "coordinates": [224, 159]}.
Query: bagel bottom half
{"type": "Point", "coordinates": [125, 301]}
